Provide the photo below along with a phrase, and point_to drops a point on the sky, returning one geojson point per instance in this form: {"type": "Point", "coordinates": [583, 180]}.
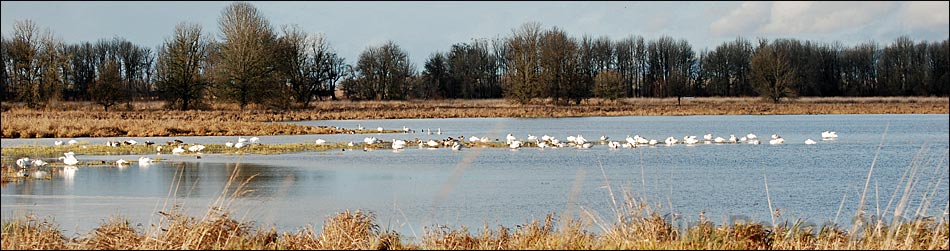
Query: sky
{"type": "Point", "coordinates": [423, 28]}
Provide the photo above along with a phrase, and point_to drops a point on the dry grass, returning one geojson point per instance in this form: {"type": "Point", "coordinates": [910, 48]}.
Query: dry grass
{"type": "Point", "coordinates": [78, 119]}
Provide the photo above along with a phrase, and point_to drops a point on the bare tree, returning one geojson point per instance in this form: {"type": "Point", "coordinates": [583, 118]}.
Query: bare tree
{"type": "Point", "coordinates": [773, 75]}
{"type": "Point", "coordinates": [247, 71]}
{"type": "Point", "coordinates": [35, 60]}
{"type": "Point", "coordinates": [106, 90]}
{"type": "Point", "coordinates": [180, 70]}
{"type": "Point", "coordinates": [559, 66]}
{"type": "Point", "coordinates": [522, 81]}
{"type": "Point", "coordinates": [608, 84]}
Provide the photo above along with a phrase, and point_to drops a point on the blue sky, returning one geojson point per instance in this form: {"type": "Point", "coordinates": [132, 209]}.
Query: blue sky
{"type": "Point", "coordinates": [422, 28]}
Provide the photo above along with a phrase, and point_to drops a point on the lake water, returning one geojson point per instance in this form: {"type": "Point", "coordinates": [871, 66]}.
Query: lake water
{"type": "Point", "coordinates": [415, 188]}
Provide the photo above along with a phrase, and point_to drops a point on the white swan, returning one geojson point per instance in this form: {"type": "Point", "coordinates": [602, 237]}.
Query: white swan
{"type": "Point", "coordinates": [239, 145]}
{"type": "Point", "coordinates": [515, 144]}
{"type": "Point", "coordinates": [604, 138]}
{"type": "Point", "coordinates": [546, 137]}
{"type": "Point", "coordinates": [58, 143]}
{"type": "Point", "coordinates": [196, 148]}
{"type": "Point", "coordinates": [39, 162]}
{"type": "Point", "coordinates": [532, 138]}
{"type": "Point", "coordinates": [509, 138]}
{"type": "Point", "coordinates": [720, 140]}
{"type": "Point", "coordinates": [241, 139]}
{"type": "Point", "coordinates": [72, 142]}
{"type": "Point", "coordinates": [25, 162]}
{"type": "Point", "coordinates": [732, 138]}
{"type": "Point", "coordinates": [613, 144]}
{"type": "Point", "coordinates": [121, 162]}
{"type": "Point", "coordinates": [227, 144]}
{"type": "Point", "coordinates": [777, 141]}
{"type": "Point", "coordinates": [670, 140]}
{"type": "Point", "coordinates": [178, 150]}
{"type": "Point", "coordinates": [456, 146]}
{"type": "Point", "coordinates": [398, 144]}
{"type": "Point", "coordinates": [70, 159]}
{"type": "Point", "coordinates": [829, 135]}
{"type": "Point", "coordinates": [542, 144]}
{"type": "Point", "coordinates": [708, 137]}
{"type": "Point", "coordinates": [320, 141]}
{"type": "Point", "coordinates": [253, 140]}
{"type": "Point", "coordinates": [810, 142]}
{"type": "Point", "coordinates": [432, 143]}
{"type": "Point", "coordinates": [751, 136]}
{"type": "Point", "coordinates": [586, 145]}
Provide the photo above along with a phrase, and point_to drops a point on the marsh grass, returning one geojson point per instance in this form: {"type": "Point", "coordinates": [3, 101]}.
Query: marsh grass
{"type": "Point", "coordinates": [147, 119]}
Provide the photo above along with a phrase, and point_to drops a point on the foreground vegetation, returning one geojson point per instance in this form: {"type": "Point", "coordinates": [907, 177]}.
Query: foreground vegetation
{"type": "Point", "coordinates": [639, 228]}
{"type": "Point", "coordinates": [148, 119]}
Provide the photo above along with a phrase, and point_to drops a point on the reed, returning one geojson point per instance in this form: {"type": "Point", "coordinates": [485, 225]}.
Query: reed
{"type": "Point", "coordinates": [146, 119]}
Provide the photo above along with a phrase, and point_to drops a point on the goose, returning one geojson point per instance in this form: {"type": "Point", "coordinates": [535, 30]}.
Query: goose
{"type": "Point", "coordinates": [24, 162]}
{"type": "Point", "coordinates": [58, 143]}
{"type": "Point", "coordinates": [69, 159]}
{"type": "Point", "coordinates": [254, 140]}
{"type": "Point", "coordinates": [810, 142]}
{"type": "Point", "coordinates": [428, 131]}
{"type": "Point", "coordinates": [320, 141]}
{"type": "Point", "coordinates": [398, 144]}
{"type": "Point", "coordinates": [509, 138]}
{"type": "Point", "coordinates": [180, 149]}
{"type": "Point", "coordinates": [72, 142]}
{"type": "Point", "coordinates": [227, 144]}
{"type": "Point", "coordinates": [149, 143]}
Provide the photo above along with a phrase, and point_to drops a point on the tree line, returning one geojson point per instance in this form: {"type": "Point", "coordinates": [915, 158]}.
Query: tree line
{"type": "Point", "coordinates": [250, 62]}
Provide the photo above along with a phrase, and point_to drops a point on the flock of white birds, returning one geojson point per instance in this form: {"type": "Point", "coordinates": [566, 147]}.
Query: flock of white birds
{"type": "Point", "coordinates": [545, 141]}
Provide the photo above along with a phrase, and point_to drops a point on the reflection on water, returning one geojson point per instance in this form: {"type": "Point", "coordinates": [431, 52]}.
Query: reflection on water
{"type": "Point", "coordinates": [413, 188]}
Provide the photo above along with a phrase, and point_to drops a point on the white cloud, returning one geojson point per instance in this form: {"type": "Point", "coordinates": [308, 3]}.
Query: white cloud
{"type": "Point", "coordinates": [748, 17]}
{"type": "Point", "coordinates": [789, 18]}
{"type": "Point", "coordinates": [926, 15]}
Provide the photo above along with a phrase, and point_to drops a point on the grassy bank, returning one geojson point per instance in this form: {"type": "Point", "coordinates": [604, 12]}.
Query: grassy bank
{"type": "Point", "coordinates": [145, 119]}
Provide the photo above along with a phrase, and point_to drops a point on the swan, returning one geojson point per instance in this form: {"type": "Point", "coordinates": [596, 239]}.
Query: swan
{"type": "Point", "coordinates": [753, 141]}
{"type": "Point", "coordinates": [350, 144]}
{"type": "Point", "coordinates": [180, 149]}
{"type": "Point", "coordinates": [708, 137]}
{"type": "Point", "coordinates": [510, 138]}
{"type": "Point", "coordinates": [810, 142]}
{"type": "Point", "coordinates": [456, 146]}
{"type": "Point", "coordinates": [380, 129]}
{"type": "Point", "coordinates": [241, 139]}
{"type": "Point", "coordinates": [405, 129]}
{"type": "Point", "coordinates": [545, 137]}
{"type": "Point", "coordinates": [359, 126]}
{"type": "Point", "coordinates": [751, 136]}
{"type": "Point", "coordinates": [777, 141]}
{"type": "Point", "coordinates": [39, 162]}
{"type": "Point", "coordinates": [58, 143]}
{"type": "Point", "coordinates": [631, 140]}
{"type": "Point", "coordinates": [72, 142]}
{"type": "Point", "coordinates": [473, 139]}
{"type": "Point", "coordinates": [320, 141]}
{"type": "Point", "coordinates": [542, 144]}
{"type": "Point", "coordinates": [689, 140]}
{"type": "Point", "coordinates": [604, 137]}
{"type": "Point", "coordinates": [24, 162]}
{"type": "Point", "coordinates": [532, 138]}
{"type": "Point", "coordinates": [720, 140]}
{"type": "Point", "coordinates": [70, 159]}
{"type": "Point", "coordinates": [227, 144]}
{"type": "Point", "coordinates": [438, 131]}
{"type": "Point", "coordinates": [614, 144]}
{"type": "Point", "coordinates": [130, 142]}
{"type": "Point", "coordinates": [732, 138]}
{"type": "Point", "coordinates": [586, 145]}
{"type": "Point", "coordinates": [640, 140]}
{"type": "Point", "coordinates": [652, 142]}
{"type": "Point", "coordinates": [196, 148]}
{"type": "Point", "coordinates": [515, 144]}
{"type": "Point", "coordinates": [159, 148]}
{"type": "Point", "coordinates": [580, 140]}
{"type": "Point", "coordinates": [571, 138]}
{"type": "Point", "coordinates": [829, 135]}
{"type": "Point", "coordinates": [670, 140]}
{"type": "Point", "coordinates": [432, 143]}
{"type": "Point", "coordinates": [629, 145]}
{"type": "Point", "coordinates": [775, 136]}
{"type": "Point", "coordinates": [121, 162]}
{"type": "Point", "coordinates": [398, 144]}
{"type": "Point", "coordinates": [254, 140]}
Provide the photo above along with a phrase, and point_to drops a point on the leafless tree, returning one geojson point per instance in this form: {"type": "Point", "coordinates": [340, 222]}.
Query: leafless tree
{"type": "Point", "coordinates": [180, 69]}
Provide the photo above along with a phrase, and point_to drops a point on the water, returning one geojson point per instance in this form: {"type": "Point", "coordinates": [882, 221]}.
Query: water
{"type": "Point", "coordinates": [415, 188]}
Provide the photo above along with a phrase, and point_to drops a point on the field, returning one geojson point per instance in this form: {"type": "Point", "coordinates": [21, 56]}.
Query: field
{"type": "Point", "coordinates": [147, 119]}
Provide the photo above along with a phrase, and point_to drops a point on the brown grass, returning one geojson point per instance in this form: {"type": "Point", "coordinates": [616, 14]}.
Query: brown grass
{"type": "Point", "coordinates": [79, 119]}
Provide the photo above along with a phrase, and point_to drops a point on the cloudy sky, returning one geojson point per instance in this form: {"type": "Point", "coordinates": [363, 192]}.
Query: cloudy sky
{"type": "Point", "coordinates": [422, 28]}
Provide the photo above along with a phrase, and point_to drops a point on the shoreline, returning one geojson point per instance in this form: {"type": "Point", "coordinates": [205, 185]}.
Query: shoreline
{"type": "Point", "coordinates": [147, 119]}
